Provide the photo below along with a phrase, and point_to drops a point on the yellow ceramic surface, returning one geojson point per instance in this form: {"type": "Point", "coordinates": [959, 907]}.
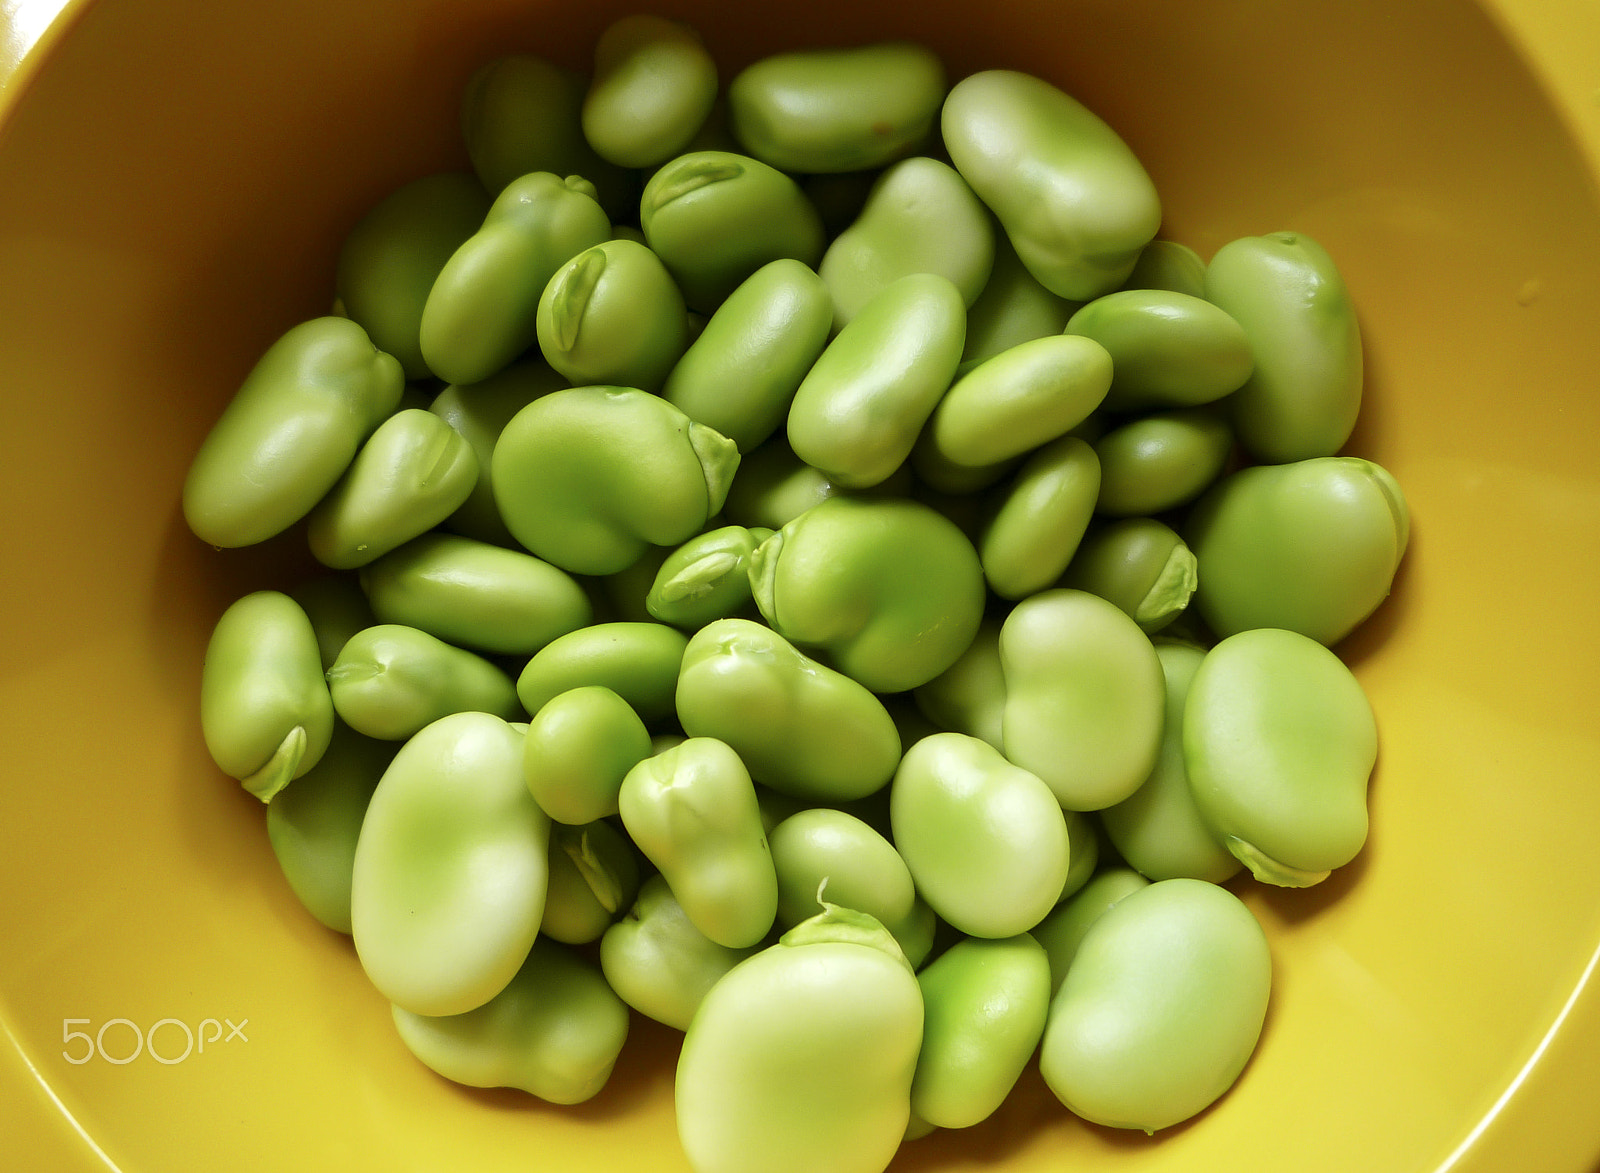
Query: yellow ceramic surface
{"type": "Point", "coordinates": [175, 176]}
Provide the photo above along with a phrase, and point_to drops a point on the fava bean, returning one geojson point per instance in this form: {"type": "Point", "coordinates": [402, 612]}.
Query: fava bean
{"type": "Point", "coordinates": [969, 696]}
{"type": "Point", "coordinates": [1303, 396]}
{"type": "Point", "coordinates": [555, 1031]}
{"type": "Point", "coordinates": [482, 311]}
{"type": "Point", "coordinates": [313, 825]}
{"type": "Point", "coordinates": [1161, 461]}
{"type": "Point", "coordinates": [265, 712]}
{"type": "Point", "coordinates": [637, 661]}
{"type": "Point", "coordinates": [1311, 546]}
{"type": "Point", "coordinates": [740, 375]}
{"type": "Point", "coordinates": [594, 877]}
{"type": "Point", "coordinates": [859, 410]}
{"type": "Point", "coordinates": [1033, 529]}
{"type": "Point", "coordinates": [1158, 828]}
{"type": "Point", "coordinates": [985, 840]}
{"type": "Point", "coordinates": [1062, 931]}
{"type": "Point", "coordinates": [1012, 308]}
{"type": "Point", "coordinates": [1141, 565]}
{"type": "Point", "coordinates": [579, 746]}
{"type": "Point", "coordinates": [1075, 201]}
{"type": "Point", "coordinates": [653, 85]}
{"type": "Point", "coordinates": [830, 110]}
{"type": "Point", "coordinates": [392, 257]}
{"type": "Point", "coordinates": [826, 854]}
{"type": "Point", "coordinates": [411, 474]}
{"type": "Point", "coordinates": [475, 594]}
{"type": "Point", "coordinates": [391, 680]}
{"type": "Point", "coordinates": [613, 315]}
{"type": "Point", "coordinates": [658, 962]}
{"type": "Point", "coordinates": [480, 413]}
{"type": "Point", "coordinates": [1280, 741]}
{"type": "Point", "coordinates": [692, 810]}
{"type": "Point", "coordinates": [801, 1057]}
{"type": "Point", "coordinates": [1161, 1008]}
{"type": "Point", "coordinates": [714, 218]}
{"type": "Point", "coordinates": [1168, 265]}
{"type": "Point", "coordinates": [1084, 697]}
{"type": "Point", "coordinates": [1020, 399]}
{"type": "Point", "coordinates": [289, 432]}
{"type": "Point", "coordinates": [920, 217]}
{"type": "Point", "coordinates": [707, 578]}
{"type": "Point", "coordinates": [521, 113]}
{"type": "Point", "coordinates": [984, 1007]}
{"type": "Point", "coordinates": [337, 608]}
{"type": "Point", "coordinates": [451, 867]}
{"type": "Point", "coordinates": [889, 587]}
{"type": "Point", "coordinates": [588, 477]}
{"type": "Point", "coordinates": [774, 486]}
{"type": "Point", "coordinates": [799, 726]}
{"type": "Point", "coordinates": [1167, 349]}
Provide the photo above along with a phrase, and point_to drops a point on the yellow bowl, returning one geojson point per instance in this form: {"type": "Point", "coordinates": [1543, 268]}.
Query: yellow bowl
{"type": "Point", "coordinates": [175, 176]}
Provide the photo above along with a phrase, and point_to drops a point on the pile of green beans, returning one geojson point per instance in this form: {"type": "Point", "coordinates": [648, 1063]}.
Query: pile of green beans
{"type": "Point", "coordinates": [809, 565]}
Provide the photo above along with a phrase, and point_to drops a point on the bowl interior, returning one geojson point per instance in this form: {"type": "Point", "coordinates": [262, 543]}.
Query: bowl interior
{"type": "Point", "coordinates": [174, 182]}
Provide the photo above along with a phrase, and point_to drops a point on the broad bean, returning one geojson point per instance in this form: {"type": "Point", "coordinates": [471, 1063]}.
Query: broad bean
{"type": "Point", "coordinates": [984, 1008]}
{"type": "Point", "coordinates": [707, 578]}
{"type": "Point", "coordinates": [1141, 565]}
{"type": "Point", "coordinates": [1012, 308]}
{"type": "Point", "coordinates": [801, 1058]}
{"type": "Point", "coordinates": [715, 218]}
{"type": "Point", "coordinates": [859, 409]}
{"type": "Point", "coordinates": [411, 474]}
{"type": "Point", "coordinates": [831, 110]}
{"type": "Point", "coordinates": [822, 854]}
{"type": "Point", "coordinates": [1033, 529]}
{"type": "Point", "coordinates": [1020, 399]}
{"type": "Point", "coordinates": [391, 680]}
{"type": "Point", "coordinates": [740, 375]}
{"type": "Point", "coordinates": [774, 486]}
{"type": "Point", "coordinates": [658, 962]}
{"type": "Point", "coordinates": [1158, 828]}
{"type": "Point", "coordinates": [1280, 741]}
{"type": "Point", "coordinates": [637, 661]}
{"type": "Point", "coordinates": [613, 315]}
{"type": "Point", "coordinates": [919, 217]}
{"type": "Point", "coordinates": [451, 867]}
{"type": "Point", "coordinates": [1304, 394]}
{"type": "Point", "coordinates": [969, 696]}
{"type": "Point", "coordinates": [1084, 697]}
{"type": "Point", "coordinates": [265, 712]}
{"type": "Point", "coordinates": [289, 432]}
{"type": "Point", "coordinates": [1161, 1008]}
{"type": "Point", "coordinates": [555, 1031]}
{"type": "Point", "coordinates": [692, 811]}
{"type": "Point", "coordinates": [890, 588]}
{"type": "Point", "coordinates": [652, 88]}
{"type": "Point", "coordinates": [1063, 930]}
{"type": "Point", "coordinates": [1311, 546]}
{"type": "Point", "coordinates": [985, 840]}
{"type": "Point", "coordinates": [391, 258]}
{"type": "Point", "coordinates": [521, 113]}
{"type": "Point", "coordinates": [314, 824]}
{"type": "Point", "coordinates": [801, 728]}
{"type": "Point", "coordinates": [475, 594]}
{"type": "Point", "coordinates": [480, 413]}
{"type": "Point", "coordinates": [579, 746]}
{"type": "Point", "coordinates": [594, 877]}
{"type": "Point", "coordinates": [482, 311]}
{"type": "Point", "coordinates": [1075, 201]}
{"type": "Point", "coordinates": [588, 477]}
{"type": "Point", "coordinates": [1161, 461]}
{"type": "Point", "coordinates": [1167, 349]}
